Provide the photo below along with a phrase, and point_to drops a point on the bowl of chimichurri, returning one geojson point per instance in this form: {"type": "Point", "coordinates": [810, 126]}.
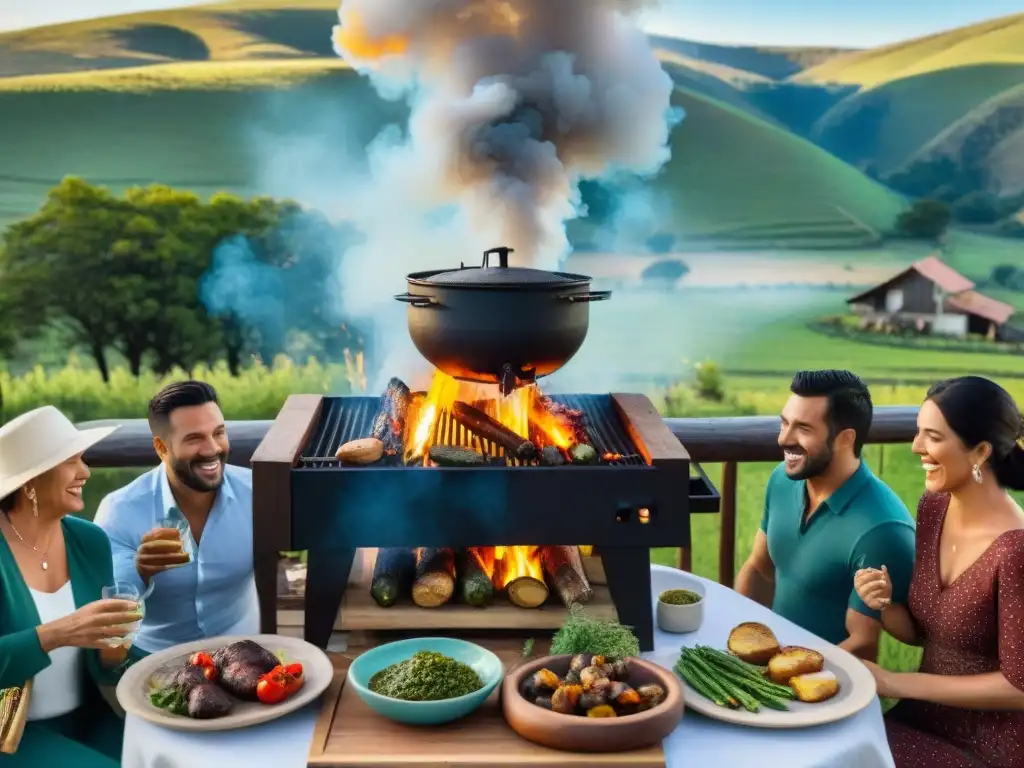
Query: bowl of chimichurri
{"type": "Point", "coordinates": [425, 680]}
{"type": "Point", "coordinates": [681, 609]}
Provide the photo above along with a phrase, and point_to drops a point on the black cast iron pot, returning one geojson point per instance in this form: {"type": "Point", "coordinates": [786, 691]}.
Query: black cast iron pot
{"type": "Point", "coordinates": [499, 324]}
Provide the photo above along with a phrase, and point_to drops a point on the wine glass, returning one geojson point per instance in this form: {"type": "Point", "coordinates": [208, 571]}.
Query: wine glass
{"type": "Point", "coordinates": [124, 590]}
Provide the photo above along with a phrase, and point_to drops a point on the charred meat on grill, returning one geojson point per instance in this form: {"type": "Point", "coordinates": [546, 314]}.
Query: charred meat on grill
{"type": "Point", "coordinates": [240, 667]}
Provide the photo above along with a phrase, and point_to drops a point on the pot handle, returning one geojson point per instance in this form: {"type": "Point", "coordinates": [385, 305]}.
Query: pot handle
{"type": "Point", "coordinates": [416, 301]}
{"type": "Point", "coordinates": [589, 296]}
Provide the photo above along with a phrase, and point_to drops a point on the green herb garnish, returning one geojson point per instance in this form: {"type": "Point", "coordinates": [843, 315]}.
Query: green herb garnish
{"type": "Point", "coordinates": [170, 699]}
{"type": "Point", "coordinates": [679, 597]}
{"type": "Point", "coordinates": [427, 676]}
{"type": "Point", "coordinates": [528, 648]}
{"type": "Point", "coordinates": [582, 634]}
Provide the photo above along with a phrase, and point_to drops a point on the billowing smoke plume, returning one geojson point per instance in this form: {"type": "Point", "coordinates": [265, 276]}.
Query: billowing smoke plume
{"type": "Point", "coordinates": [512, 103]}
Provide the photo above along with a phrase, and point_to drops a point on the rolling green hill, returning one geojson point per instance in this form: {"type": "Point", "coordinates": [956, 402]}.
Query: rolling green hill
{"type": "Point", "coordinates": [888, 124]}
{"type": "Point", "coordinates": [177, 96]}
{"type": "Point", "coordinates": [991, 42]}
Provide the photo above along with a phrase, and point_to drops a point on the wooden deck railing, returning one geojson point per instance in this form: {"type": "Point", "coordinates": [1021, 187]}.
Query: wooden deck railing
{"type": "Point", "coordinates": [729, 441]}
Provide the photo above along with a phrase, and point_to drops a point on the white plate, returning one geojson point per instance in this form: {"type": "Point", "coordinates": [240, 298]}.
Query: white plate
{"type": "Point", "coordinates": [137, 682]}
{"type": "Point", "coordinates": [856, 691]}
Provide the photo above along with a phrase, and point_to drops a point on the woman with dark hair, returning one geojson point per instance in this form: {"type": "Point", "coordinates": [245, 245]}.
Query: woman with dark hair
{"type": "Point", "coordinates": [964, 708]}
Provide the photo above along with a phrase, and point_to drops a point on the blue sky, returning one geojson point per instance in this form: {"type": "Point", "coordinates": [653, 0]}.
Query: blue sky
{"type": "Point", "coordinates": [853, 23]}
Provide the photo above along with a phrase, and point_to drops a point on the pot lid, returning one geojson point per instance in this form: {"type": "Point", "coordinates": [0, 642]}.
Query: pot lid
{"type": "Point", "coordinates": [500, 275]}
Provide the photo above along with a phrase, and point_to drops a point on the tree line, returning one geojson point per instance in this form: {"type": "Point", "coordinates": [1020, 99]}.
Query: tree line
{"type": "Point", "coordinates": [169, 280]}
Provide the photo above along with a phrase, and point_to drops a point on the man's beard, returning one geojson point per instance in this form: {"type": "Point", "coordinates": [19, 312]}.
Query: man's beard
{"type": "Point", "coordinates": [185, 471]}
{"type": "Point", "coordinates": [814, 464]}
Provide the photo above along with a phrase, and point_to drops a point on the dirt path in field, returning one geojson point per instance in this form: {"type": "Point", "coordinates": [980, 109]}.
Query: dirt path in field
{"type": "Point", "coordinates": [853, 268]}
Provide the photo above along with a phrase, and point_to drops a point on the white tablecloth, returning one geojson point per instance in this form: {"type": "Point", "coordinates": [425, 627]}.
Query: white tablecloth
{"type": "Point", "coordinates": [858, 742]}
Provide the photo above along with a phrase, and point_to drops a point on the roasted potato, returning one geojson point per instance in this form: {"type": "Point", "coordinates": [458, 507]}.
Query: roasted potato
{"type": "Point", "coordinates": [815, 687]}
{"type": "Point", "coordinates": [752, 642]}
{"type": "Point", "coordinates": [791, 661]}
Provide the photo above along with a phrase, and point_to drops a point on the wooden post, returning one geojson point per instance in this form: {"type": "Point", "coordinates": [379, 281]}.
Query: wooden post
{"type": "Point", "coordinates": [727, 539]}
{"type": "Point", "coordinates": [684, 559]}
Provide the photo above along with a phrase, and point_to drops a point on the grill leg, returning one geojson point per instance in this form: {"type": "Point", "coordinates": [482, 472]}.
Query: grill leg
{"type": "Point", "coordinates": [628, 572]}
{"type": "Point", "coordinates": [327, 572]}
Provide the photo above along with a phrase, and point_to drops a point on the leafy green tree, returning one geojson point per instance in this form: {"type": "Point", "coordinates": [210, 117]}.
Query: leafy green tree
{"type": "Point", "coordinates": [924, 220]}
{"type": "Point", "coordinates": [60, 266]}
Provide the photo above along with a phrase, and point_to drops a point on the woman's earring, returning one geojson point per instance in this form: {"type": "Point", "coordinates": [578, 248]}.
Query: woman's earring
{"type": "Point", "coordinates": [35, 502]}
{"type": "Point", "coordinates": [976, 473]}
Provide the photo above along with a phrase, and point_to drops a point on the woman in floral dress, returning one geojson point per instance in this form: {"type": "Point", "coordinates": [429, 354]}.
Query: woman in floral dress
{"type": "Point", "coordinates": [964, 708]}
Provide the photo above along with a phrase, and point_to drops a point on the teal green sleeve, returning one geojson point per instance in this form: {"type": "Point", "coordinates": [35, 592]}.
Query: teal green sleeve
{"type": "Point", "coordinates": [891, 545]}
{"type": "Point", "coordinates": [104, 564]}
{"type": "Point", "coordinates": [21, 658]}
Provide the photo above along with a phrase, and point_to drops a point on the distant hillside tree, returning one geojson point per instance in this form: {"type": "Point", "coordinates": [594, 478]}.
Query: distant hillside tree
{"type": "Point", "coordinates": [924, 220]}
{"type": "Point", "coordinates": [665, 272]}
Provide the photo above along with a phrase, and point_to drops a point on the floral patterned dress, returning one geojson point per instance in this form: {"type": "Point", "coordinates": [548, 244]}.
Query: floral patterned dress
{"type": "Point", "coordinates": [971, 626]}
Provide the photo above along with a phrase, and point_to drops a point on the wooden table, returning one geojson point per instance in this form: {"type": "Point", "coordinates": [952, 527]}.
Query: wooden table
{"type": "Point", "coordinates": [348, 734]}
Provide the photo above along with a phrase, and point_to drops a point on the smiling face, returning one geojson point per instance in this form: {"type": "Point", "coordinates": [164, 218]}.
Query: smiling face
{"type": "Point", "coordinates": [946, 461]}
{"type": "Point", "coordinates": [59, 491]}
{"type": "Point", "coordinates": [807, 447]}
{"type": "Point", "coordinates": [195, 446]}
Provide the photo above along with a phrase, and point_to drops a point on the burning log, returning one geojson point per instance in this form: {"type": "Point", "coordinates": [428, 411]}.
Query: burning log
{"type": "Point", "coordinates": [582, 453]}
{"type": "Point", "coordinates": [573, 418]}
{"type": "Point", "coordinates": [527, 592]}
{"type": "Point", "coordinates": [564, 569]}
{"type": "Point", "coordinates": [475, 569]}
{"type": "Point", "coordinates": [392, 574]}
{"type": "Point", "coordinates": [483, 426]}
{"type": "Point", "coordinates": [389, 425]}
{"type": "Point", "coordinates": [435, 576]}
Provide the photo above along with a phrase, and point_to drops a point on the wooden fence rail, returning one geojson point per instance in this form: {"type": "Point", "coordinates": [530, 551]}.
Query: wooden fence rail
{"type": "Point", "coordinates": [729, 441]}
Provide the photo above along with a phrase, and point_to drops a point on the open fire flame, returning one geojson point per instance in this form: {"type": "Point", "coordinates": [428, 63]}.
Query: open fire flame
{"type": "Point", "coordinates": [523, 412]}
{"type": "Point", "coordinates": [504, 565]}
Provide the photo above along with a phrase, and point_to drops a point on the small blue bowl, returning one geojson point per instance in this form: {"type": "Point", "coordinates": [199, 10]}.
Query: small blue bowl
{"type": "Point", "coordinates": [485, 663]}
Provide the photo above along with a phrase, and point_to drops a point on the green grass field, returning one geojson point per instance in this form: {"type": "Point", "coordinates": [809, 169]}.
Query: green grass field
{"type": "Point", "coordinates": [992, 41]}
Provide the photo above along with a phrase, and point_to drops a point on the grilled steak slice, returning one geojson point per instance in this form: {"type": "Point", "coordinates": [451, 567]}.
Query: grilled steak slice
{"type": "Point", "coordinates": [208, 701]}
{"type": "Point", "coordinates": [240, 667]}
{"type": "Point", "coordinates": [205, 699]}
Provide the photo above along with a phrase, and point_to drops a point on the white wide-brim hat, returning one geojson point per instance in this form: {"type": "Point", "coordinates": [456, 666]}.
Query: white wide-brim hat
{"type": "Point", "coordinates": [38, 441]}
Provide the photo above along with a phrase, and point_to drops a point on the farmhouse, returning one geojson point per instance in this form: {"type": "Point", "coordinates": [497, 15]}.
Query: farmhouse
{"type": "Point", "coordinates": [932, 297]}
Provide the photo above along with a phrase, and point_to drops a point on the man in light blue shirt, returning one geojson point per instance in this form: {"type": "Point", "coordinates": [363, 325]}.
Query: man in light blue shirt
{"type": "Point", "coordinates": [207, 593]}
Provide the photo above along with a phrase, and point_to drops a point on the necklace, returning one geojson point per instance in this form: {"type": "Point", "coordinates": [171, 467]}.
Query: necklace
{"type": "Point", "coordinates": [43, 561]}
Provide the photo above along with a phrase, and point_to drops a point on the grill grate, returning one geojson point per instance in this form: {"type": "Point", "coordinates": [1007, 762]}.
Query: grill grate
{"type": "Point", "coordinates": [349, 418]}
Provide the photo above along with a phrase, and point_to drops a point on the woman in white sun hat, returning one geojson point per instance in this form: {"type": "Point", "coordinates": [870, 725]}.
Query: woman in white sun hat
{"type": "Point", "coordinates": [53, 622]}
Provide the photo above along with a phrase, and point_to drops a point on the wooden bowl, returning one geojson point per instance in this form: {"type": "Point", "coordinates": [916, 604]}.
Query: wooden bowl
{"type": "Point", "coordinates": [575, 733]}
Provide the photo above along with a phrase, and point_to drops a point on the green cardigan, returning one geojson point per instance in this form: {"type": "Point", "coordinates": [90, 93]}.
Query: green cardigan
{"type": "Point", "coordinates": [91, 568]}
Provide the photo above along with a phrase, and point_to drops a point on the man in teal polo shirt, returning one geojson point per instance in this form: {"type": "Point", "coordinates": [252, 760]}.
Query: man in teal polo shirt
{"type": "Point", "coordinates": [826, 516]}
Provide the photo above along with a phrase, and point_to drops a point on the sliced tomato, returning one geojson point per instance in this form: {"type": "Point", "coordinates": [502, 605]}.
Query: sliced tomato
{"type": "Point", "coordinates": [201, 659]}
{"type": "Point", "coordinates": [295, 670]}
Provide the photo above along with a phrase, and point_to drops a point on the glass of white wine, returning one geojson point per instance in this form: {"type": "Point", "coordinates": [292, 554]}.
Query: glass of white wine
{"type": "Point", "coordinates": [124, 590]}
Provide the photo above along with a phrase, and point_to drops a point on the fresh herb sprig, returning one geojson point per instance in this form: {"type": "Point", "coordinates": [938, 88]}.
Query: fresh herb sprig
{"type": "Point", "coordinates": [582, 634]}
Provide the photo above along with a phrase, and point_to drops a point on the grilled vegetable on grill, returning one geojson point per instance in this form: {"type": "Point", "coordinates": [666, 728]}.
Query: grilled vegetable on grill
{"type": "Point", "coordinates": [392, 574]}
{"type": "Point", "coordinates": [564, 569]}
{"type": "Point", "coordinates": [435, 576]}
{"type": "Point", "coordinates": [240, 667]}
{"type": "Point", "coordinates": [551, 456]}
{"type": "Point", "coordinates": [364, 451]}
{"type": "Point", "coordinates": [453, 456]}
{"type": "Point", "coordinates": [389, 424]}
{"type": "Point", "coordinates": [581, 453]}
{"type": "Point", "coordinates": [483, 426]}
{"type": "Point", "coordinates": [475, 585]}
